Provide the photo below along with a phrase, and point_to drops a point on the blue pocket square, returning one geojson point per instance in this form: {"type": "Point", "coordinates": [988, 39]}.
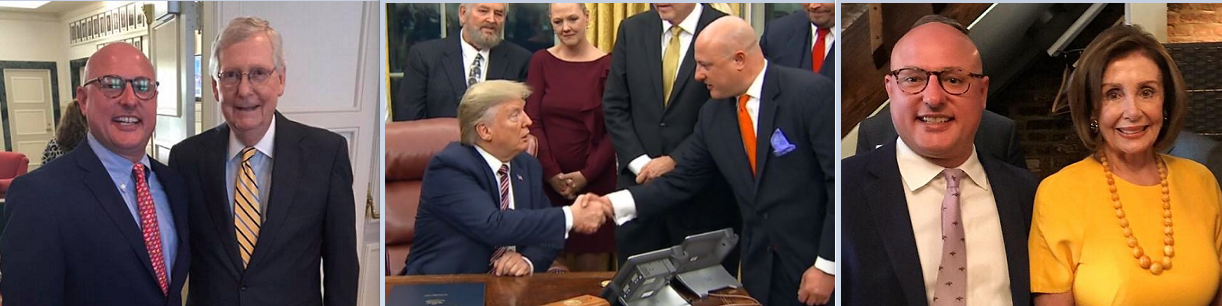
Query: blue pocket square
{"type": "Point", "coordinates": [780, 144]}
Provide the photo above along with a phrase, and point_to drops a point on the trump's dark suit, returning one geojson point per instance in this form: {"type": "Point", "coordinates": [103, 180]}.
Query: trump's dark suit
{"type": "Point", "coordinates": [995, 137]}
{"type": "Point", "coordinates": [71, 239]}
{"type": "Point", "coordinates": [460, 224]}
{"type": "Point", "coordinates": [787, 42]}
{"type": "Point", "coordinates": [787, 206]}
{"type": "Point", "coordinates": [880, 264]}
{"type": "Point", "coordinates": [434, 79]}
{"type": "Point", "coordinates": [639, 124]}
{"type": "Point", "coordinates": [309, 218]}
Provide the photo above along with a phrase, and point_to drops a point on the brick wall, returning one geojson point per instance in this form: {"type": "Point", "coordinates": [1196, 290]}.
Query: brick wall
{"type": "Point", "coordinates": [1048, 139]}
{"type": "Point", "coordinates": [1194, 22]}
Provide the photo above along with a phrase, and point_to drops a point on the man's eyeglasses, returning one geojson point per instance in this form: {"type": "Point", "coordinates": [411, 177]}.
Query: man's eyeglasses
{"type": "Point", "coordinates": [255, 76]}
{"type": "Point", "coordinates": [112, 86]}
{"type": "Point", "coordinates": [953, 81]}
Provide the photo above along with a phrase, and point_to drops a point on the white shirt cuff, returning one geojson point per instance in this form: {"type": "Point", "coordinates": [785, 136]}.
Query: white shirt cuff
{"type": "Point", "coordinates": [528, 263]}
{"type": "Point", "coordinates": [568, 220]}
{"type": "Point", "coordinates": [826, 266]}
{"type": "Point", "coordinates": [636, 164]}
{"type": "Point", "coordinates": [624, 204]}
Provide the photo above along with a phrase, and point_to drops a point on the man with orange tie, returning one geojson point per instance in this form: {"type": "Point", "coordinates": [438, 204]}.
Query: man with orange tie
{"type": "Point", "coordinates": [768, 131]}
{"type": "Point", "coordinates": [104, 224]}
{"type": "Point", "coordinates": [805, 39]}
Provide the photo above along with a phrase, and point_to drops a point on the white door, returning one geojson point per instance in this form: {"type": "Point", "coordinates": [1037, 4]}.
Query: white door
{"type": "Point", "coordinates": [172, 42]}
{"type": "Point", "coordinates": [31, 119]}
{"type": "Point", "coordinates": [333, 75]}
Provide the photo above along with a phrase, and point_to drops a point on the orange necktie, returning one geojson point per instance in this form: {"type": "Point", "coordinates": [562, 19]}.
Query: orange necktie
{"type": "Point", "coordinates": [817, 52]}
{"type": "Point", "coordinates": [748, 133]}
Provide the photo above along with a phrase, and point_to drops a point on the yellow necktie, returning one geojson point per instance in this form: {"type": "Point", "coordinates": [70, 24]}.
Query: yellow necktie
{"type": "Point", "coordinates": [670, 63]}
{"type": "Point", "coordinates": [246, 216]}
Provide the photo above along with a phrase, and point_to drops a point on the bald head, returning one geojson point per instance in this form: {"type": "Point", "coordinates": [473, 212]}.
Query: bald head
{"type": "Point", "coordinates": [727, 35]}
{"type": "Point", "coordinates": [119, 59]}
{"type": "Point", "coordinates": [936, 46]}
{"type": "Point", "coordinates": [728, 57]}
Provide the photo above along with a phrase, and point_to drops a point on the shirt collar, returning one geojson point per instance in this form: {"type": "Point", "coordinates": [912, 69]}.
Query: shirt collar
{"type": "Point", "coordinates": [814, 30]}
{"type": "Point", "coordinates": [119, 168]}
{"type": "Point", "coordinates": [265, 145]}
{"type": "Point", "coordinates": [493, 162]}
{"type": "Point", "coordinates": [918, 171]}
{"type": "Point", "coordinates": [688, 24]}
{"type": "Point", "coordinates": [757, 86]}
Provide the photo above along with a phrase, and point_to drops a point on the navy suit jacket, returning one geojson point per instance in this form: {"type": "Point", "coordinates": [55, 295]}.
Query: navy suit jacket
{"type": "Point", "coordinates": [787, 205]}
{"type": "Point", "coordinates": [879, 262]}
{"type": "Point", "coordinates": [309, 222]}
{"type": "Point", "coordinates": [434, 79]}
{"type": "Point", "coordinates": [787, 42]}
{"type": "Point", "coordinates": [459, 223]}
{"type": "Point", "coordinates": [71, 240]}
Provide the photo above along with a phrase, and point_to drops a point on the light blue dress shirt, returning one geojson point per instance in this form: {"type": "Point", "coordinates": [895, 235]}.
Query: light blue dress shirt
{"type": "Point", "coordinates": [120, 170]}
{"type": "Point", "coordinates": [261, 163]}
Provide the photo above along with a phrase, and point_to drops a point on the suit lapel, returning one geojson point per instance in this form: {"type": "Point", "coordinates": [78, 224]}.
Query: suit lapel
{"type": "Point", "coordinates": [653, 57]}
{"type": "Point", "coordinates": [498, 62]}
{"type": "Point", "coordinates": [212, 170]}
{"type": "Point", "coordinates": [1014, 227]}
{"type": "Point", "coordinates": [767, 121]}
{"type": "Point", "coordinates": [453, 66]}
{"type": "Point", "coordinates": [287, 166]}
{"type": "Point", "coordinates": [741, 170]}
{"type": "Point", "coordinates": [887, 203]}
{"type": "Point", "coordinates": [521, 191]}
{"type": "Point", "coordinates": [803, 42]}
{"type": "Point", "coordinates": [103, 188]}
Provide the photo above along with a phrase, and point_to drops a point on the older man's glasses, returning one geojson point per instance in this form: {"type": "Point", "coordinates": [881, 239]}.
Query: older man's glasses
{"type": "Point", "coordinates": [255, 76]}
{"type": "Point", "coordinates": [953, 81]}
{"type": "Point", "coordinates": [112, 86]}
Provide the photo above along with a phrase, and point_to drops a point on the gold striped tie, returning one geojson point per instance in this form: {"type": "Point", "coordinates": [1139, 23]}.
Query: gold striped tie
{"type": "Point", "coordinates": [246, 215]}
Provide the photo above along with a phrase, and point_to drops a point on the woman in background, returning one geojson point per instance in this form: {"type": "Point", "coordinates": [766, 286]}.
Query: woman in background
{"type": "Point", "coordinates": [1127, 225]}
{"type": "Point", "coordinates": [71, 130]}
{"type": "Point", "coordinates": [566, 106]}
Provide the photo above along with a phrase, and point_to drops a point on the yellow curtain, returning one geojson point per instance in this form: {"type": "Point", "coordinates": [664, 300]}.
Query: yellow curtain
{"type": "Point", "coordinates": [605, 19]}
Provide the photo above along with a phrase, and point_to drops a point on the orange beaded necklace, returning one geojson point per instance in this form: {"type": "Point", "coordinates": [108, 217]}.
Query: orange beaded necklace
{"type": "Point", "coordinates": [1143, 260]}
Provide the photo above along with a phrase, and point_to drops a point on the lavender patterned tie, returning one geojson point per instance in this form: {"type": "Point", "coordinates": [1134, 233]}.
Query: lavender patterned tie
{"type": "Point", "coordinates": [952, 271]}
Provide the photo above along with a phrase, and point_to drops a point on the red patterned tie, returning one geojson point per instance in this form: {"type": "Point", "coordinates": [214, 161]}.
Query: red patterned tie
{"type": "Point", "coordinates": [148, 223]}
{"type": "Point", "coordinates": [503, 176]}
{"type": "Point", "coordinates": [818, 51]}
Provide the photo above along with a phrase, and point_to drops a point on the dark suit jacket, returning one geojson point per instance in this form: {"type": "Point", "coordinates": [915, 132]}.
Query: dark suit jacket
{"type": "Point", "coordinates": [434, 79]}
{"type": "Point", "coordinates": [71, 240]}
{"type": "Point", "coordinates": [640, 125]}
{"type": "Point", "coordinates": [310, 218]}
{"type": "Point", "coordinates": [459, 223]}
{"type": "Point", "coordinates": [996, 136]}
{"type": "Point", "coordinates": [787, 207]}
{"type": "Point", "coordinates": [786, 42]}
{"type": "Point", "coordinates": [880, 264]}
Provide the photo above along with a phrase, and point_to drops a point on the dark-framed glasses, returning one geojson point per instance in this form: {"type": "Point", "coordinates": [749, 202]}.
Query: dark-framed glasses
{"type": "Point", "coordinates": [112, 86]}
{"type": "Point", "coordinates": [255, 76]}
{"type": "Point", "coordinates": [953, 81]}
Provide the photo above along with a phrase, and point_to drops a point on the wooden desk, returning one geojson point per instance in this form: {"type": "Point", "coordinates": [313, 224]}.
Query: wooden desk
{"type": "Point", "coordinates": [537, 289]}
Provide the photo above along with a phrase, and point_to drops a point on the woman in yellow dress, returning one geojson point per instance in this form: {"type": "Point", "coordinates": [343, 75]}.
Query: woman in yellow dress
{"type": "Point", "coordinates": [1127, 225]}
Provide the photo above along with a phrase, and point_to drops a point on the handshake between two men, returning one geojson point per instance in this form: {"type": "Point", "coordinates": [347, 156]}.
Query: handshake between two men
{"type": "Point", "coordinates": [590, 211]}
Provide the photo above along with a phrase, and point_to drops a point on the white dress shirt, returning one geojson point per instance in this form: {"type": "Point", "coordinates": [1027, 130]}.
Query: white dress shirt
{"type": "Point", "coordinates": [261, 163]}
{"type": "Point", "coordinates": [688, 25]}
{"type": "Point", "coordinates": [827, 40]}
{"type": "Point", "coordinates": [988, 275]}
{"type": "Point", "coordinates": [468, 58]}
{"type": "Point", "coordinates": [495, 165]}
{"type": "Point", "coordinates": [625, 205]}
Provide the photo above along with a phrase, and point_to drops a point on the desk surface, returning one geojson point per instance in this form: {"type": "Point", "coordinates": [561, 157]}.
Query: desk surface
{"type": "Point", "coordinates": [537, 289]}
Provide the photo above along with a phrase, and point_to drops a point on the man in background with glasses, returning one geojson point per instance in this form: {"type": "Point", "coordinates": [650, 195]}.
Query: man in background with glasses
{"type": "Point", "coordinates": [104, 224]}
{"type": "Point", "coordinates": [439, 71]}
{"type": "Point", "coordinates": [270, 198]}
{"type": "Point", "coordinates": [928, 220]}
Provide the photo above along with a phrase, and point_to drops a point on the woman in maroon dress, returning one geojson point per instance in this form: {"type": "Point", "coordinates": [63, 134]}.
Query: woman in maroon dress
{"type": "Point", "coordinates": [566, 106]}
